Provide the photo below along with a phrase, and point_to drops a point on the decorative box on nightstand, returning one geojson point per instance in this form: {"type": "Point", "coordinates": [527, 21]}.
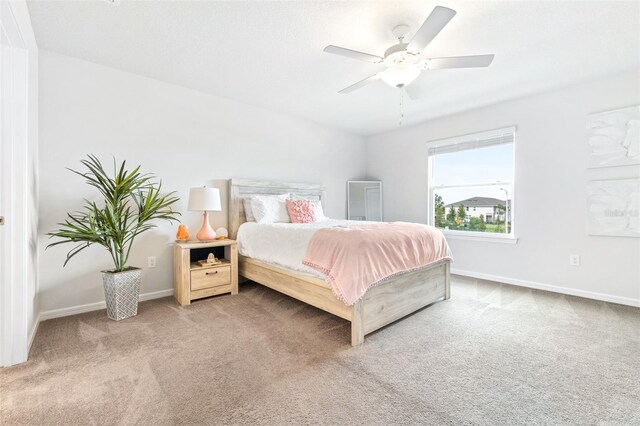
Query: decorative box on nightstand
{"type": "Point", "coordinates": [194, 281]}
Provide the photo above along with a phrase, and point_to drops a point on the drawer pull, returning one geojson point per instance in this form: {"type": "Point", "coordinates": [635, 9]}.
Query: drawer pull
{"type": "Point", "coordinates": [211, 273]}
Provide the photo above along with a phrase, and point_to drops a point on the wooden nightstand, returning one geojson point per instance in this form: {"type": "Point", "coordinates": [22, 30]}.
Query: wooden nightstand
{"type": "Point", "coordinates": [192, 281]}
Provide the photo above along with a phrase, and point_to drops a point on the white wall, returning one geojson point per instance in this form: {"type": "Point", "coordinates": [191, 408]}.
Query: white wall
{"type": "Point", "coordinates": [185, 137]}
{"type": "Point", "coordinates": [551, 177]}
{"type": "Point", "coordinates": [189, 139]}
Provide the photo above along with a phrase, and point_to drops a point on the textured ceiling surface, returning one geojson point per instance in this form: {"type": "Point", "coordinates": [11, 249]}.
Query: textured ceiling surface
{"type": "Point", "coordinates": [269, 54]}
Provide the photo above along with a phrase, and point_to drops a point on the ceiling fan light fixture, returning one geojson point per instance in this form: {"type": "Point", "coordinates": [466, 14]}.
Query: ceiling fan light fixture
{"type": "Point", "coordinates": [400, 75]}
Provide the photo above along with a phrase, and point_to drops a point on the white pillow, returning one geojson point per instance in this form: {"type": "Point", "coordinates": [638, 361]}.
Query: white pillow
{"type": "Point", "coordinates": [248, 210]}
{"type": "Point", "coordinates": [270, 208]}
{"type": "Point", "coordinates": [317, 208]}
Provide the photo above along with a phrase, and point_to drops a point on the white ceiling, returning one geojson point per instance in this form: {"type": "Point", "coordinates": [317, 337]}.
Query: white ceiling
{"type": "Point", "coordinates": [270, 53]}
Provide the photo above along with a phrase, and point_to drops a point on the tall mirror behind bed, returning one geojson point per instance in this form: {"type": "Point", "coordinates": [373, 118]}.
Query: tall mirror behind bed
{"type": "Point", "coordinates": [364, 200]}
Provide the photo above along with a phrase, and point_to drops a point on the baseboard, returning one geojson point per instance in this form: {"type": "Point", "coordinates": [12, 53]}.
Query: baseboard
{"type": "Point", "coordinates": [33, 331]}
{"type": "Point", "coordinates": [548, 287]}
{"type": "Point", "coordinates": [80, 309]}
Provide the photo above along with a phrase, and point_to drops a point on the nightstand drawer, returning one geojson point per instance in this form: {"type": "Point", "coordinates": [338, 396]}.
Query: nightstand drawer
{"type": "Point", "coordinates": [210, 277]}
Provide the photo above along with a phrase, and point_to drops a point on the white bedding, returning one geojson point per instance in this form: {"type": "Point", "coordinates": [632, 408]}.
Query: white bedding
{"type": "Point", "coordinates": [282, 244]}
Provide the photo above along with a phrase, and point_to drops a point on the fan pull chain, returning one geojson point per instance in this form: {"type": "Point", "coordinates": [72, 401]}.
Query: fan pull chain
{"type": "Point", "coordinates": [401, 107]}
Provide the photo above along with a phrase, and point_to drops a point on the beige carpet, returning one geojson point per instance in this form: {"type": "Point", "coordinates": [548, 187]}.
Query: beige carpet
{"type": "Point", "coordinates": [493, 354]}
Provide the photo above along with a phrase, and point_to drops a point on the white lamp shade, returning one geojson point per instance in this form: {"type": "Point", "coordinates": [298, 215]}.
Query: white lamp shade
{"type": "Point", "coordinates": [204, 199]}
{"type": "Point", "coordinates": [400, 75]}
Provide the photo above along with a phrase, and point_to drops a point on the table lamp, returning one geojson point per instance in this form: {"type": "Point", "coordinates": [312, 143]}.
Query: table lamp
{"type": "Point", "coordinates": [205, 200]}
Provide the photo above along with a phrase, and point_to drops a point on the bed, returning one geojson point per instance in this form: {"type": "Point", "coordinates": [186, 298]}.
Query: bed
{"type": "Point", "coordinates": [383, 304]}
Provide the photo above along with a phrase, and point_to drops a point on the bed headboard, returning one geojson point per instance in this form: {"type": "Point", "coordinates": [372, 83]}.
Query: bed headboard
{"type": "Point", "coordinates": [239, 189]}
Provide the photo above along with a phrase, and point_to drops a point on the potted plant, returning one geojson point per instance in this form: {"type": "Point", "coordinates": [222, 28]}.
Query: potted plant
{"type": "Point", "coordinates": [130, 202]}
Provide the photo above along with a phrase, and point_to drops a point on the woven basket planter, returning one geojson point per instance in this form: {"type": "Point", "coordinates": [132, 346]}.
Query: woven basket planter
{"type": "Point", "coordinates": [121, 291]}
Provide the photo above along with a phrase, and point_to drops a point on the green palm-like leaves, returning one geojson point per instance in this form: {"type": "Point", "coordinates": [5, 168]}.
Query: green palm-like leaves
{"type": "Point", "coordinates": [132, 200]}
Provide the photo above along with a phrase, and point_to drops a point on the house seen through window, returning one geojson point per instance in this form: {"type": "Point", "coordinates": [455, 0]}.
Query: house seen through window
{"type": "Point", "coordinates": [471, 183]}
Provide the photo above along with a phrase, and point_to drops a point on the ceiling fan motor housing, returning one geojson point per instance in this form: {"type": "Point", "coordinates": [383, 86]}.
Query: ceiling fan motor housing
{"type": "Point", "coordinates": [401, 68]}
{"type": "Point", "coordinates": [398, 54]}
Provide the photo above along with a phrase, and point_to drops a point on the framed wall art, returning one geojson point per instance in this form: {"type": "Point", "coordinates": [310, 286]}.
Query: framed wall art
{"type": "Point", "coordinates": [614, 137]}
{"type": "Point", "coordinates": [614, 207]}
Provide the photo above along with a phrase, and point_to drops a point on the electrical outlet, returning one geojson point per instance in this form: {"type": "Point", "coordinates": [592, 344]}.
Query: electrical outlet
{"type": "Point", "coordinates": [574, 259]}
{"type": "Point", "coordinates": [151, 261]}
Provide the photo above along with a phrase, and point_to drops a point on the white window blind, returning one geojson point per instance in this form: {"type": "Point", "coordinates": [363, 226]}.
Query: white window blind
{"type": "Point", "coordinates": [477, 140]}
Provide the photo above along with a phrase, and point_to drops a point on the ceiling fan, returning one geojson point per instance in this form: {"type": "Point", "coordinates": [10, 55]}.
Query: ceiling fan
{"type": "Point", "coordinates": [405, 61]}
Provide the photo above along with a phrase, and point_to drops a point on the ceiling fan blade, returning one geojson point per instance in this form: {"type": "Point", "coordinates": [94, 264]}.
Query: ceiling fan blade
{"type": "Point", "coordinates": [440, 16]}
{"type": "Point", "coordinates": [475, 61]}
{"type": "Point", "coordinates": [360, 84]}
{"type": "Point", "coordinates": [353, 54]}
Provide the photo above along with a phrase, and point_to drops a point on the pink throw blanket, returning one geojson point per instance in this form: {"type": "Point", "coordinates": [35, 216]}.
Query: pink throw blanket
{"type": "Point", "coordinates": [358, 257]}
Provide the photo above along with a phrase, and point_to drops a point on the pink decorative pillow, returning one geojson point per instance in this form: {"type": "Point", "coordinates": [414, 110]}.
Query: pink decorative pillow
{"type": "Point", "coordinates": [301, 211]}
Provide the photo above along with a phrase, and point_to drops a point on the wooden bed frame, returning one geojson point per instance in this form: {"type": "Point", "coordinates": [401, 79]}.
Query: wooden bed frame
{"type": "Point", "coordinates": [381, 305]}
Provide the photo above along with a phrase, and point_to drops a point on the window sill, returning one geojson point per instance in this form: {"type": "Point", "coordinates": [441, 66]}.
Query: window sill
{"type": "Point", "coordinates": [479, 236]}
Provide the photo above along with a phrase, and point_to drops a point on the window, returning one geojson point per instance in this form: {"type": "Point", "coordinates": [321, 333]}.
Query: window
{"type": "Point", "coordinates": [471, 184]}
